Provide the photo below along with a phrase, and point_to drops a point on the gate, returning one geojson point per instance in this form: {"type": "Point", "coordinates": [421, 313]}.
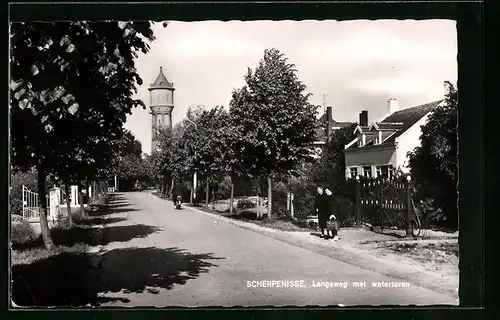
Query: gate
{"type": "Point", "coordinates": [31, 201]}
{"type": "Point", "coordinates": [384, 202]}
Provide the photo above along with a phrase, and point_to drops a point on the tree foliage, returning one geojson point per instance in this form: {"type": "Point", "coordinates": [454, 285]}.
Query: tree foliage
{"type": "Point", "coordinates": [433, 164]}
{"type": "Point", "coordinates": [71, 87]}
{"type": "Point", "coordinates": [132, 168]}
{"type": "Point", "coordinates": [330, 167]}
{"type": "Point", "coordinates": [71, 83]}
{"type": "Point", "coordinates": [273, 116]}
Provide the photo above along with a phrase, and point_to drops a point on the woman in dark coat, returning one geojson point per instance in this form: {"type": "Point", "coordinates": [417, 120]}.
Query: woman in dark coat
{"type": "Point", "coordinates": [321, 208]}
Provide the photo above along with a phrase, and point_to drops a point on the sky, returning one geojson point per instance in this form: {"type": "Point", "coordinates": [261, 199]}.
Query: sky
{"type": "Point", "coordinates": [349, 65]}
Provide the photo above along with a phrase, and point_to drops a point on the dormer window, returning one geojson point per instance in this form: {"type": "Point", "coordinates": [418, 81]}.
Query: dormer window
{"type": "Point", "coordinates": [361, 139]}
{"type": "Point", "coordinates": [377, 137]}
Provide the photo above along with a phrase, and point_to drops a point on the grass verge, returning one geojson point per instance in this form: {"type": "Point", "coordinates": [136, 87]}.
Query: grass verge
{"type": "Point", "coordinates": [27, 248]}
{"type": "Point", "coordinates": [250, 215]}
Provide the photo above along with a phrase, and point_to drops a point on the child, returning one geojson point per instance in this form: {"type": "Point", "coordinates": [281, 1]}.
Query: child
{"type": "Point", "coordinates": [333, 227]}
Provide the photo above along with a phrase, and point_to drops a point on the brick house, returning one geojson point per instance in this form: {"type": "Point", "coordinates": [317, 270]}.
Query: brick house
{"type": "Point", "coordinates": [381, 147]}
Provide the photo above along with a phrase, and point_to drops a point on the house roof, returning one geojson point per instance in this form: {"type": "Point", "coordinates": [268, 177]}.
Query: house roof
{"type": "Point", "coordinates": [408, 117]}
{"type": "Point", "coordinates": [401, 121]}
{"type": "Point", "coordinates": [365, 129]}
{"type": "Point", "coordinates": [322, 119]}
{"type": "Point", "coordinates": [161, 81]}
{"type": "Point", "coordinates": [320, 132]}
{"type": "Point", "coordinates": [387, 126]}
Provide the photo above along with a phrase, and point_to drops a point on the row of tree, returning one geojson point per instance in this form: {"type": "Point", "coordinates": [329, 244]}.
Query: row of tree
{"type": "Point", "coordinates": [267, 132]}
{"type": "Point", "coordinates": [251, 140]}
{"type": "Point", "coordinates": [71, 88]}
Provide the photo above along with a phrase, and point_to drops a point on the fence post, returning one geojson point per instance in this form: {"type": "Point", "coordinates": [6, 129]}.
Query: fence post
{"type": "Point", "coordinates": [358, 202]}
{"type": "Point", "coordinates": [23, 203]}
{"type": "Point", "coordinates": [288, 201]}
{"type": "Point", "coordinates": [409, 228]}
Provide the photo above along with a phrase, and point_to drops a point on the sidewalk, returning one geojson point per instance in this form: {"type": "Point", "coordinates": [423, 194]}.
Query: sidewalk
{"type": "Point", "coordinates": [352, 249]}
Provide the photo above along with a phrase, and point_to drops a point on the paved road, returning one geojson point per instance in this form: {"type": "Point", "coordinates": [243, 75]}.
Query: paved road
{"type": "Point", "coordinates": [168, 257]}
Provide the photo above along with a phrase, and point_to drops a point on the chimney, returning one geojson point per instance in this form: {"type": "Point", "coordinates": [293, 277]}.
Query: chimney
{"type": "Point", "coordinates": [363, 118]}
{"type": "Point", "coordinates": [392, 105]}
{"type": "Point", "coordinates": [329, 124]}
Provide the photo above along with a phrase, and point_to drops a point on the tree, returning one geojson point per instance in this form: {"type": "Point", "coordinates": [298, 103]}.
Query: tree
{"type": "Point", "coordinates": [161, 159]}
{"type": "Point", "coordinates": [434, 163]}
{"type": "Point", "coordinates": [71, 83]}
{"type": "Point", "coordinates": [131, 166]}
{"type": "Point", "coordinates": [211, 146]}
{"type": "Point", "coordinates": [274, 118]}
{"type": "Point", "coordinates": [330, 168]}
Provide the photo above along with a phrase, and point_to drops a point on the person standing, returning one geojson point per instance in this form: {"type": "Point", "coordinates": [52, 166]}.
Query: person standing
{"type": "Point", "coordinates": [321, 207]}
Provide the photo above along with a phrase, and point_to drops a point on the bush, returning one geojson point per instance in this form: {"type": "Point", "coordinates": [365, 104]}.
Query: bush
{"type": "Point", "coordinates": [16, 206]}
{"type": "Point", "coordinates": [21, 233]}
{"type": "Point", "coordinates": [247, 214]}
{"type": "Point", "coordinates": [246, 204]}
{"type": "Point", "coordinates": [279, 209]}
{"type": "Point", "coordinates": [430, 213]}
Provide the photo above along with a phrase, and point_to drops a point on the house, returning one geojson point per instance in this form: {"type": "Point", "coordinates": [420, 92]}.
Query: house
{"type": "Point", "coordinates": [381, 147]}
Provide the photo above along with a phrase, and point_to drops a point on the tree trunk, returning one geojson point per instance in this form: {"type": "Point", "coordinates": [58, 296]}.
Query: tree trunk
{"type": "Point", "coordinates": [42, 205]}
{"type": "Point", "coordinates": [232, 197]}
{"type": "Point", "coordinates": [68, 203]}
{"type": "Point", "coordinates": [258, 202]}
{"type": "Point", "coordinates": [165, 185]}
{"type": "Point", "coordinates": [87, 193]}
{"type": "Point", "coordinates": [207, 194]}
{"type": "Point", "coordinates": [269, 196]}
{"type": "Point", "coordinates": [213, 199]}
{"type": "Point", "coordinates": [191, 197]}
{"type": "Point", "coordinates": [171, 187]}
{"type": "Point", "coordinates": [94, 193]}
{"type": "Point", "coordinates": [80, 194]}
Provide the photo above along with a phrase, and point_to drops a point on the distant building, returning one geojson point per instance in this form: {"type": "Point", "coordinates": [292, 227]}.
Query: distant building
{"type": "Point", "coordinates": [326, 121]}
{"type": "Point", "coordinates": [161, 105]}
{"type": "Point", "coordinates": [322, 133]}
{"type": "Point", "coordinates": [381, 147]}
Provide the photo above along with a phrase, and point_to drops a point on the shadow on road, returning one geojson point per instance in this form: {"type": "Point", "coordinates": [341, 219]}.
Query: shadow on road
{"type": "Point", "coordinates": [99, 221]}
{"type": "Point", "coordinates": [108, 210]}
{"type": "Point", "coordinates": [80, 279]}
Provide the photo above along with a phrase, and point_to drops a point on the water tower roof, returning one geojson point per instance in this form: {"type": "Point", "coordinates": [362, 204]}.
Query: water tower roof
{"type": "Point", "coordinates": [161, 81]}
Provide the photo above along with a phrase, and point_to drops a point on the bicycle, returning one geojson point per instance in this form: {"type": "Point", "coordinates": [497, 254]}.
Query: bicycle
{"type": "Point", "coordinates": [416, 224]}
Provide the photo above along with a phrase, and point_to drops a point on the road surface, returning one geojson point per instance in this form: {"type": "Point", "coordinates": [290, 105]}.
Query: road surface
{"type": "Point", "coordinates": [171, 257]}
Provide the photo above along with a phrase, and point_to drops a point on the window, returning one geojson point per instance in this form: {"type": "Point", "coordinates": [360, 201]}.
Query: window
{"type": "Point", "coordinates": [354, 172]}
{"type": "Point", "coordinates": [385, 171]}
{"type": "Point", "coordinates": [390, 171]}
{"type": "Point", "coordinates": [367, 171]}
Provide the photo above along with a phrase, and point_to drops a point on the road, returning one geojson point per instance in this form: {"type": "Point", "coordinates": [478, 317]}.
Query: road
{"type": "Point", "coordinates": [171, 257]}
